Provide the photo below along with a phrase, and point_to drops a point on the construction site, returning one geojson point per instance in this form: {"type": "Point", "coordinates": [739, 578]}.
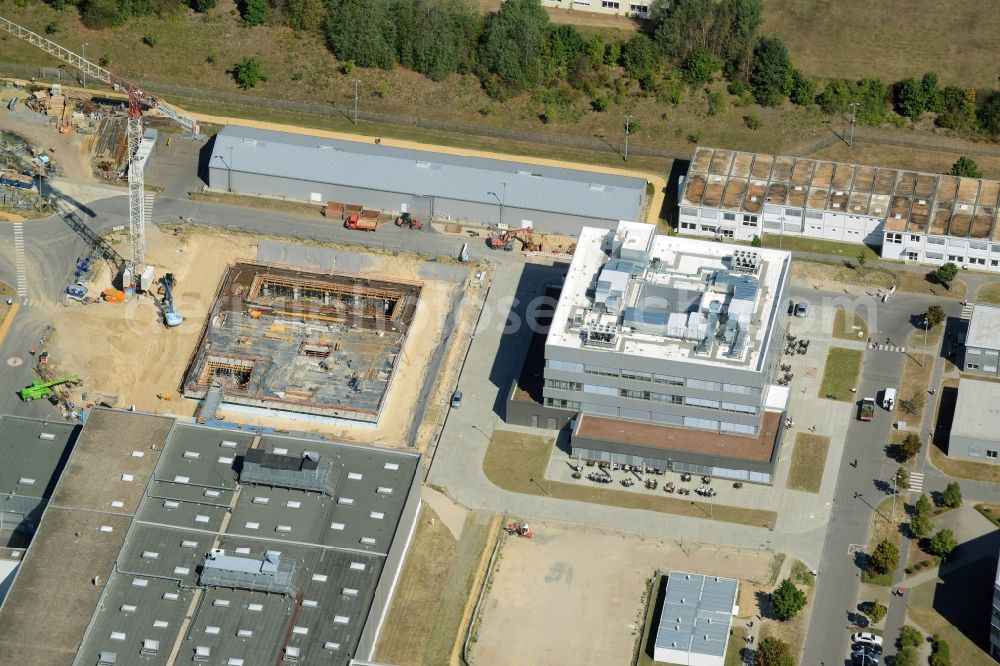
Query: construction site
{"type": "Point", "coordinates": [287, 339]}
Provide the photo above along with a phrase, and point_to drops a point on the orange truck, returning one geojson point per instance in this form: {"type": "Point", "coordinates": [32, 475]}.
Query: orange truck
{"type": "Point", "coordinates": [354, 221]}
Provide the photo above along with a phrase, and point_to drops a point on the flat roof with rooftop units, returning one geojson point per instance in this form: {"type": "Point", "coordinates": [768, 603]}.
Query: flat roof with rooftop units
{"type": "Point", "coordinates": [695, 621]}
{"type": "Point", "coordinates": [306, 342]}
{"type": "Point", "coordinates": [638, 293]}
{"type": "Point", "coordinates": [220, 567]}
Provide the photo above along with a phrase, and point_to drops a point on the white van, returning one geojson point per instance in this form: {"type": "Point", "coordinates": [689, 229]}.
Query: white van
{"type": "Point", "coordinates": [889, 399]}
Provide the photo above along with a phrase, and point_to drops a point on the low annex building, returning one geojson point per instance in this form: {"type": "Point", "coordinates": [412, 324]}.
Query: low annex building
{"type": "Point", "coordinates": [170, 542]}
{"type": "Point", "coordinates": [981, 352]}
{"type": "Point", "coordinates": [921, 217]}
{"type": "Point", "coordinates": [428, 185]}
{"type": "Point", "coordinates": [973, 434]}
{"type": "Point", "coordinates": [662, 350]}
{"type": "Point", "coordinates": [697, 615]}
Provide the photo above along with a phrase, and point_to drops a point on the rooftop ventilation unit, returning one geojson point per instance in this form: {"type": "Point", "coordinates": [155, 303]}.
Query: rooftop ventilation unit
{"type": "Point", "coordinates": [746, 261]}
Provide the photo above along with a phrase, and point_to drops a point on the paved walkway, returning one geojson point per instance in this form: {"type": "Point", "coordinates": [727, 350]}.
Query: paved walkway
{"type": "Point", "coordinates": [451, 514]}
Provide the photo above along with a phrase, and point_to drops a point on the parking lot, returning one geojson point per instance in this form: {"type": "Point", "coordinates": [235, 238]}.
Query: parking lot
{"type": "Point", "coordinates": [567, 596]}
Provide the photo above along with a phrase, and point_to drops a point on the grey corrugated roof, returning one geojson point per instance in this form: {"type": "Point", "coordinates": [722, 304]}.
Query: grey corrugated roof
{"type": "Point", "coordinates": [25, 455]}
{"type": "Point", "coordinates": [349, 163]}
{"type": "Point", "coordinates": [977, 410]}
{"type": "Point", "coordinates": [697, 613]}
{"type": "Point", "coordinates": [984, 327]}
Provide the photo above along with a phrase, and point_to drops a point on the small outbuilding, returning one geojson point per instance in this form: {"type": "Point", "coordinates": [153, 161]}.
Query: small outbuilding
{"type": "Point", "coordinates": [697, 614]}
{"type": "Point", "coordinates": [973, 434]}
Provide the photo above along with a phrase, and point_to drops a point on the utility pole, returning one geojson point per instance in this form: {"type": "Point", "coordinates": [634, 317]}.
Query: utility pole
{"type": "Point", "coordinates": [628, 126]}
{"type": "Point", "coordinates": [356, 102]}
{"type": "Point", "coordinates": [84, 70]}
{"type": "Point", "coordinates": [854, 119]}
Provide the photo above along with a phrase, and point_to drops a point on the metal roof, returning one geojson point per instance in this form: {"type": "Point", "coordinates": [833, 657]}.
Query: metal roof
{"type": "Point", "coordinates": [977, 410]}
{"type": "Point", "coordinates": [908, 201]}
{"type": "Point", "coordinates": [984, 327]}
{"type": "Point", "coordinates": [421, 173]}
{"type": "Point", "coordinates": [329, 553]}
{"type": "Point", "coordinates": [32, 454]}
{"type": "Point", "coordinates": [697, 613]}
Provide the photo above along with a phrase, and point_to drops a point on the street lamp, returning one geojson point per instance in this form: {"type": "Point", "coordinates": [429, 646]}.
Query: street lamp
{"type": "Point", "coordinates": [926, 326]}
{"type": "Point", "coordinates": [356, 81]}
{"type": "Point", "coordinates": [229, 168]}
{"type": "Point", "coordinates": [854, 118]}
{"type": "Point", "coordinates": [84, 68]}
{"type": "Point", "coordinates": [500, 200]}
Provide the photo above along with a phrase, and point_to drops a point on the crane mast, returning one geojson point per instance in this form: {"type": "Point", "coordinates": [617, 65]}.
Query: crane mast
{"type": "Point", "coordinates": [138, 205]}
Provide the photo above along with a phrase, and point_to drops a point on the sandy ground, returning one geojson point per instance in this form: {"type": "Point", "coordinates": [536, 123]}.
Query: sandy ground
{"type": "Point", "coordinates": [72, 151]}
{"type": "Point", "coordinates": [138, 359]}
{"type": "Point", "coordinates": [569, 597]}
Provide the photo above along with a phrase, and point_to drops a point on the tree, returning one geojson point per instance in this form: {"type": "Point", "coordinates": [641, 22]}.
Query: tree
{"type": "Point", "coordinates": [835, 98]}
{"type": "Point", "coordinates": [940, 653]}
{"type": "Point", "coordinates": [256, 12]}
{"type": "Point", "coordinates": [967, 167]}
{"type": "Point", "coordinates": [902, 477]}
{"type": "Point", "coordinates": [875, 611]}
{"type": "Point", "coordinates": [438, 37]}
{"type": "Point", "coordinates": [945, 273]}
{"type": "Point", "coordinates": [872, 97]}
{"type": "Point", "coordinates": [909, 98]}
{"type": "Point", "coordinates": [988, 113]}
{"type": "Point", "coordinates": [249, 72]}
{"type": "Point", "coordinates": [99, 14]}
{"type": "Point", "coordinates": [862, 258]}
{"type": "Point", "coordinates": [771, 73]}
{"type": "Point", "coordinates": [932, 94]}
{"type": "Point", "coordinates": [907, 656]}
{"type": "Point", "coordinates": [756, 241]}
{"type": "Point", "coordinates": [513, 48]}
{"type": "Point", "coordinates": [920, 523]}
{"type": "Point", "coordinates": [910, 637]}
{"type": "Point", "coordinates": [774, 652]}
{"type": "Point", "coordinates": [952, 495]}
{"type": "Point", "coordinates": [682, 25]}
{"type": "Point", "coordinates": [935, 315]}
{"type": "Point", "coordinates": [923, 506]}
{"type": "Point", "coordinates": [787, 600]}
{"type": "Point", "coordinates": [803, 91]}
{"type": "Point", "coordinates": [202, 6]}
{"type": "Point", "coordinates": [910, 446]}
{"type": "Point", "coordinates": [361, 32]}
{"type": "Point", "coordinates": [884, 558]}
{"type": "Point", "coordinates": [956, 108]}
{"type": "Point", "coordinates": [639, 57]}
{"type": "Point", "coordinates": [942, 543]}
{"type": "Point", "coordinates": [700, 66]}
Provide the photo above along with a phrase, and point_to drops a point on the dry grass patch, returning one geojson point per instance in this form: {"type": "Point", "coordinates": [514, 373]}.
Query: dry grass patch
{"type": "Point", "coordinates": [517, 462]}
{"type": "Point", "coordinates": [917, 369]}
{"type": "Point", "coordinates": [831, 275]}
{"type": "Point", "coordinates": [989, 293]}
{"type": "Point", "coordinates": [850, 326]}
{"type": "Point", "coordinates": [840, 374]}
{"type": "Point", "coordinates": [808, 461]}
{"type": "Point", "coordinates": [894, 156]}
{"type": "Point", "coordinates": [916, 282]}
{"type": "Point", "coordinates": [920, 608]}
{"type": "Point", "coordinates": [886, 526]}
{"type": "Point", "coordinates": [964, 469]}
{"type": "Point", "coordinates": [428, 607]}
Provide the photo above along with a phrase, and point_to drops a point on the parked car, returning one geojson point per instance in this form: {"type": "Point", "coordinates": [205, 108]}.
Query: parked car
{"type": "Point", "coordinates": [456, 399]}
{"type": "Point", "coordinates": [866, 638]}
{"type": "Point", "coordinates": [801, 310]}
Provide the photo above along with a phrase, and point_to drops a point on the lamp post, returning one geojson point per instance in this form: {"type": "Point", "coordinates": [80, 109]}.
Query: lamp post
{"type": "Point", "coordinates": [229, 168]}
{"type": "Point", "coordinates": [500, 200]}
{"type": "Point", "coordinates": [628, 127]}
{"type": "Point", "coordinates": [84, 68]}
{"type": "Point", "coordinates": [356, 81]}
{"type": "Point", "coordinates": [926, 326]}
{"type": "Point", "coordinates": [854, 118]}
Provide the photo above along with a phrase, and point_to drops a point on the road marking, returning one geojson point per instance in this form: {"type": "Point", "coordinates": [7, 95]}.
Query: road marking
{"type": "Point", "coordinates": [19, 262]}
{"type": "Point", "coordinates": [966, 311]}
{"type": "Point", "coordinates": [855, 547]}
{"type": "Point", "coordinates": [917, 481]}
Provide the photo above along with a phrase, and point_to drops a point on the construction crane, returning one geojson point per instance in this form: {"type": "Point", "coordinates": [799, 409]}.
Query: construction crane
{"type": "Point", "coordinates": [137, 98]}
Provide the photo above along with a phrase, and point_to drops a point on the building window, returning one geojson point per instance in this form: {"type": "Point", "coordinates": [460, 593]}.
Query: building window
{"type": "Point", "coordinates": [708, 229]}
{"type": "Point", "coordinates": [991, 453]}
{"type": "Point", "coordinates": [992, 369]}
{"type": "Point", "coordinates": [729, 217]}
{"type": "Point", "coordinates": [701, 402]}
{"type": "Point", "coordinates": [750, 221]}
{"type": "Point", "coordinates": [981, 261]}
{"type": "Point", "coordinates": [637, 376]}
{"type": "Point", "coordinates": [956, 258]}
{"type": "Point", "coordinates": [935, 240]}
{"type": "Point", "coordinates": [688, 225]}
{"type": "Point", "coordinates": [598, 370]}
{"type": "Point", "coordinates": [935, 255]}
{"type": "Point", "coordinates": [994, 262]}
{"type": "Point", "coordinates": [894, 238]}
{"type": "Point", "coordinates": [564, 404]}
{"type": "Point", "coordinates": [667, 379]}
{"type": "Point", "coordinates": [563, 385]}
{"type": "Point", "coordinates": [914, 238]}
{"type": "Point", "coordinates": [912, 256]}
{"type": "Point", "coordinates": [973, 351]}
{"type": "Point", "coordinates": [639, 9]}
{"type": "Point", "coordinates": [971, 366]}
{"type": "Point", "coordinates": [976, 452]}
{"type": "Point", "coordinates": [703, 385]}
{"type": "Point", "coordinates": [609, 4]}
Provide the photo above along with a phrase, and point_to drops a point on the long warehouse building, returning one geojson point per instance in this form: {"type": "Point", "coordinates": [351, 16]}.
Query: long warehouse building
{"type": "Point", "coordinates": [426, 184]}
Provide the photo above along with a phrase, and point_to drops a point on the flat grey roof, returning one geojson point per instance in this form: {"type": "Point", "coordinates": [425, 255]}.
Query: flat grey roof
{"type": "Point", "coordinates": [146, 549]}
{"type": "Point", "coordinates": [697, 613]}
{"type": "Point", "coordinates": [984, 327]}
{"type": "Point", "coordinates": [32, 454]}
{"type": "Point", "coordinates": [977, 410]}
{"type": "Point", "coordinates": [363, 165]}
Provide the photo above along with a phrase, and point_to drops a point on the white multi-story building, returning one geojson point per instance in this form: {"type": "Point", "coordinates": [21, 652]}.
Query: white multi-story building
{"type": "Point", "coordinates": [919, 217]}
{"type": "Point", "coordinates": [633, 8]}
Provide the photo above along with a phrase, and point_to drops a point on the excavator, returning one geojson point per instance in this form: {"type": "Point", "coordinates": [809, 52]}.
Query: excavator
{"type": "Point", "coordinates": [505, 240]}
{"type": "Point", "coordinates": [171, 317]}
{"type": "Point", "coordinates": [39, 390]}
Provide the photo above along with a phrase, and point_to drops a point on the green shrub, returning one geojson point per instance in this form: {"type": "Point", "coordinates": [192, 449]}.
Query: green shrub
{"type": "Point", "coordinates": [752, 121]}
{"type": "Point", "coordinates": [787, 600]}
{"type": "Point", "coordinates": [249, 72]}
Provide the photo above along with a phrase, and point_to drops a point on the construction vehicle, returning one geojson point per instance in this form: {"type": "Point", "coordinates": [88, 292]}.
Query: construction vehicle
{"type": "Point", "coordinates": [138, 202]}
{"type": "Point", "coordinates": [39, 390]}
{"type": "Point", "coordinates": [519, 529]}
{"type": "Point", "coordinates": [354, 221]}
{"type": "Point", "coordinates": [505, 239]}
{"type": "Point", "coordinates": [407, 220]}
{"type": "Point", "coordinates": [171, 317]}
{"type": "Point", "coordinates": [866, 412]}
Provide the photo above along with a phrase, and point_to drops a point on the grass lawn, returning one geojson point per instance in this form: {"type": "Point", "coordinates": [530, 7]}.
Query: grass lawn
{"type": "Point", "coordinates": [917, 369]}
{"type": "Point", "coordinates": [852, 327]}
{"type": "Point", "coordinates": [921, 609]}
{"type": "Point", "coordinates": [990, 512]}
{"type": "Point", "coordinates": [517, 462]}
{"type": "Point", "coordinates": [429, 604]}
{"type": "Point", "coordinates": [841, 373]}
{"type": "Point", "coordinates": [916, 282]}
{"type": "Point", "coordinates": [846, 251]}
{"type": "Point", "coordinates": [989, 293]}
{"type": "Point", "coordinates": [5, 291]}
{"type": "Point", "coordinates": [885, 527]}
{"type": "Point", "coordinates": [263, 203]}
{"type": "Point", "coordinates": [802, 575]}
{"type": "Point", "coordinates": [816, 272]}
{"type": "Point", "coordinates": [793, 631]}
{"type": "Point", "coordinates": [808, 459]}
{"type": "Point", "coordinates": [964, 469]}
